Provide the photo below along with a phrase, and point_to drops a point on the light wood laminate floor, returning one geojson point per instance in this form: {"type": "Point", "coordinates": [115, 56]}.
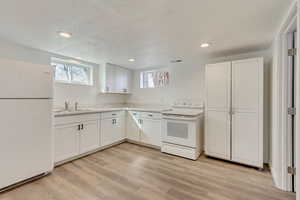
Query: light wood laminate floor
{"type": "Point", "coordinates": [133, 172]}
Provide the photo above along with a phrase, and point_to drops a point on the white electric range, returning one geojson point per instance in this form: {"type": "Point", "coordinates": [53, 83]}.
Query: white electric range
{"type": "Point", "coordinates": [182, 131]}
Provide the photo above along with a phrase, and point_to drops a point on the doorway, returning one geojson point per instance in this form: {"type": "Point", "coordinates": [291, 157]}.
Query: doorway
{"type": "Point", "coordinates": [291, 107]}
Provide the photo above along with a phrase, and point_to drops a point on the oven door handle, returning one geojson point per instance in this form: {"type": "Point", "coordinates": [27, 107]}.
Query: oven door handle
{"type": "Point", "coordinates": [178, 117]}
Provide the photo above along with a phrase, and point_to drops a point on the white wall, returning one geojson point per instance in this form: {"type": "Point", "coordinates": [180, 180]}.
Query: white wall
{"type": "Point", "coordinates": [186, 83]}
{"type": "Point", "coordinates": [86, 95]}
{"type": "Point", "coordinates": [186, 80]}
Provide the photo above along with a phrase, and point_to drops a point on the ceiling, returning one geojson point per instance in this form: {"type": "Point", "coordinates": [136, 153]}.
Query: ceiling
{"type": "Point", "coordinates": [151, 31]}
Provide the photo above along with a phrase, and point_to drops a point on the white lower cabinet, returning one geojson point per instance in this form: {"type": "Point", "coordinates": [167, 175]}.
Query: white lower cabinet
{"type": "Point", "coordinates": [144, 127]}
{"type": "Point", "coordinates": [89, 136]}
{"type": "Point", "coordinates": [79, 134]}
{"type": "Point", "coordinates": [217, 136]}
{"type": "Point", "coordinates": [246, 139]}
{"type": "Point", "coordinates": [151, 132]}
{"type": "Point", "coordinates": [75, 136]}
{"type": "Point", "coordinates": [66, 142]}
{"type": "Point", "coordinates": [133, 126]}
{"type": "Point", "coordinates": [112, 128]}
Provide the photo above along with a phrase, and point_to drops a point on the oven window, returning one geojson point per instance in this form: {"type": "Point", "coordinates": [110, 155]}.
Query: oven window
{"type": "Point", "coordinates": [179, 130]}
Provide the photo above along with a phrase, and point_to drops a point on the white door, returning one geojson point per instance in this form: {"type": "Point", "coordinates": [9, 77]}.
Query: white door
{"type": "Point", "coordinates": [107, 130]}
{"type": "Point", "coordinates": [89, 136]}
{"type": "Point", "coordinates": [66, 141]}
{"type": "Point", "coordinates": [217, 117]}
{"type": "Point", "coordinates": [133, 126]}
{"type": "Point", "coordinates": [247, 116]}
{"type": "Point", "coordinates": [151, 132]}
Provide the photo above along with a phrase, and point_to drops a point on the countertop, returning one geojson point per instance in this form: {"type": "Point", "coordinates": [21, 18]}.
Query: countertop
{"type": "Point", "coordinates": [100, 110]}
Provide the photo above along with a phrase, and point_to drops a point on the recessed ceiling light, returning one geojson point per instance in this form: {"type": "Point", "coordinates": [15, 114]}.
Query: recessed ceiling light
{"type": "Point", "coordinates": [131, 60]}
{"type": "Point", "coordinates": [205, 45]}
{"type": "Point", "coordinates": [65, 34]}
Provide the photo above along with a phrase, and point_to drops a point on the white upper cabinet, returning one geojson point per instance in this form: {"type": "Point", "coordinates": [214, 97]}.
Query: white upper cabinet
{"type": "Point", "coordinates": [117, 79]}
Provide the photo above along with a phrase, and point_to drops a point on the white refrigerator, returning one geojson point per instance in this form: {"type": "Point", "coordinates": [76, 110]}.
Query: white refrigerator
{"type": "Point", "coordinates": [26, 138]}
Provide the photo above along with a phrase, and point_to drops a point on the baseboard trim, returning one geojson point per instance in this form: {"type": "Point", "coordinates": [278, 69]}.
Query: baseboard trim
{"type": "Point", "coordinates": [143, 144]}
{"type": "Point", "coordinates": [89, 153]}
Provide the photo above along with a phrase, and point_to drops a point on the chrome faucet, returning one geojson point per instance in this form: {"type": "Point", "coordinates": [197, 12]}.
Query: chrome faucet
{"type": "Point", "coordinates": [66, 105]}
{"type": "Point", "coordinates": [76, 106]}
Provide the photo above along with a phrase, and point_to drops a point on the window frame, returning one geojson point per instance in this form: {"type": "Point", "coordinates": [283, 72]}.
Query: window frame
{"type": "Point", "coordinates": [142, 79]}
{"type": "Point", "coordinates": [69, 65]}
{"type": "Point", "coordinates": [145, 74]}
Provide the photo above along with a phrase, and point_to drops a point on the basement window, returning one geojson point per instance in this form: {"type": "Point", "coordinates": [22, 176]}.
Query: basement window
{"type": "Point", "coordinates": [72, 73]}
{"type": "Point", "coordinates": [154, 79]}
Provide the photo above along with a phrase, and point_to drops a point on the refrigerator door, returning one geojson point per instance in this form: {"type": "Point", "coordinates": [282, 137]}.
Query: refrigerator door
{"type": "Point", "coordinates": [25, 80]}
{"type": "Point", "coordinates": [26, 139]}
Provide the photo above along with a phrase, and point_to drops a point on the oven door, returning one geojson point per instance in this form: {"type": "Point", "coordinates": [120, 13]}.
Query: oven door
{"type": "Point", "coordinates": [179, 130]}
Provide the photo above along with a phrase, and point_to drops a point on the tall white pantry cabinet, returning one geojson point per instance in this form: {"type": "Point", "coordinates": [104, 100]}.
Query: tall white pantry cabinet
{"type": "Point", "coordinates": [234, 111]}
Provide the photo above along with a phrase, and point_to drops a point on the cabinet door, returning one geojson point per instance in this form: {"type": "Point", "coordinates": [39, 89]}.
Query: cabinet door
{"type": "Point", "coordinates": [217, 134]}
{"type": "Point", "coordinates": [247, 118]}
{"type": "Point", "coordinates": [217, 117]}
{"type": "Point", "coordinates": [110, 79]}
{"type": "Point", "coordinates": [133, 126]}
{"type": "Point", "coordinates": [66, 142]}
{"type": "Point", "coordinates": [112, 130]}
{"type": "Point", "coordinates": [151, 132]}
{"type": "Point", "coordinates": [121, 80]}
{"type": "Point", "coordinates": [89, 137]}
{"type": "Point", "coordinates": [107, 130]}
{"type": "Point", "coordinates": [127, 80]}
{"type": "Point", "coordinates": [119, 129]}
{"type": "Point", "coordinates": [218, 86]}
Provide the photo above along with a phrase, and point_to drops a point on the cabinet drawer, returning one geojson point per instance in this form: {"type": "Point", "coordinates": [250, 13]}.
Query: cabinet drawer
{"type": "Point", "coordinates": [75, 119]}
{"type": "Point", "coordinates": [150, 115]}
{"type": "Point", "coordinates": [114, 114]}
